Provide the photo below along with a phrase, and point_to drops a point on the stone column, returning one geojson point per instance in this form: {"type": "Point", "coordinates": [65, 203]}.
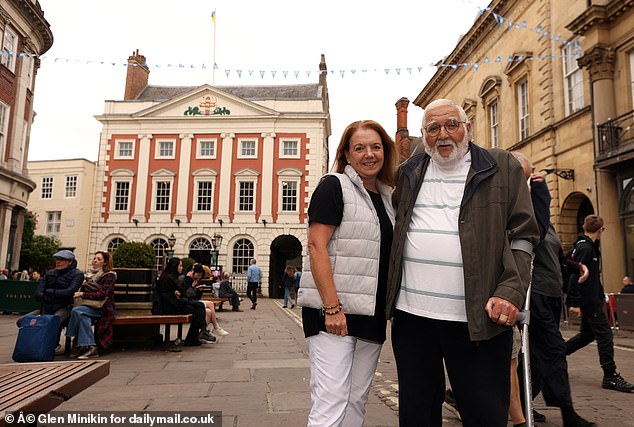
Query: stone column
{"type": "Point", "coordinates": [142, 177]}
{"type": "Point", "coordinates": [225, 185]}
{"type": "Point", "coordinates": [184, 175]}
{"type": "Point", "coordinates": [267, 176]}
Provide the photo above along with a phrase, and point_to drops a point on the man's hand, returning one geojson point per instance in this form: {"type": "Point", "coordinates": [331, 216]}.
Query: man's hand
{"type": "Point", "coordinates": [575, 310]}
{"type": "Point", "coordinates": [501, 311]}
{"type": "Point", "coordinates": [584, 273]}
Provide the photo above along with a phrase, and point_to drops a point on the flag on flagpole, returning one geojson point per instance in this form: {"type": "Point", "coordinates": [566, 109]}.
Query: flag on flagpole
{"type": "Point", "coordinates": [213, 16]}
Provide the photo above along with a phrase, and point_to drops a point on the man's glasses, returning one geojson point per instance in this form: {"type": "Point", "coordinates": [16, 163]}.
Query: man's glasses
{"type": "Point", "coordinates": [450, 126]}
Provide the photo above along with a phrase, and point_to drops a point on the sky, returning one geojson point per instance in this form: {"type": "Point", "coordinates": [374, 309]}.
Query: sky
{"type": "Point", "coordinates": [77, 74]}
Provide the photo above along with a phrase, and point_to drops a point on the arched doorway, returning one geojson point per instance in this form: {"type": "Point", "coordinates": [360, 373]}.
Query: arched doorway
{"type": "Point", "coordinates": [285, 250]}
{"type": "Point", "coordinates": [627, 216]}
{"type": "Point", "coordinates": [574, 210]}
{"type": "Point", "coordinates": [200, 250]}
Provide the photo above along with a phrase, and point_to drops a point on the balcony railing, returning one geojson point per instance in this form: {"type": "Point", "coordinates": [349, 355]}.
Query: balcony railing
{"type": "Point", "coordinates": [616, 136]}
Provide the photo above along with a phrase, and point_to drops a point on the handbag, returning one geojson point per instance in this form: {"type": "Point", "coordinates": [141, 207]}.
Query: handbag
{"type": "Point", "coordinates": [94, 303]}
{"type": "Point", "coordinates": [89, 287]}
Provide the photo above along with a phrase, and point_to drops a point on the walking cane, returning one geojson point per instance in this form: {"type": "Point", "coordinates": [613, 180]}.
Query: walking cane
{"type": "Point", "coordinates": [524, 319]}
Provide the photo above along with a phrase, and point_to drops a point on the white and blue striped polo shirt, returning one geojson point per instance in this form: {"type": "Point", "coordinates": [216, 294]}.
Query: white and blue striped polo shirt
{"type": "Point", "coordinates": [433, 281]}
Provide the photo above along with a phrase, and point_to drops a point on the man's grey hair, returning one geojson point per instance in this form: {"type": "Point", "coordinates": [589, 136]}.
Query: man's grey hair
{"type": "Point", "coordinates": [523, 159]}
{"type": "Point", "coordinates": [440, 103]}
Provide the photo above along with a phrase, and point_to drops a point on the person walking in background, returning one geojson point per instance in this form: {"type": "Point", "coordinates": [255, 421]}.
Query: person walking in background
{"type": "Point", "coordinates": [94, 301]}
{"type": "Point", "coordinates": [254, 278]}
{"type": "Point", "coordinates": [35, 276]}
{"type": "Point", "coordinates": [287, 283]}
{"type": "Point", "coordinates": [343, 285]}
{"type": "Point", "coordinates": [459, 270]}
{"type": "Point", "coordinates": [297, 276]}
{"type": "Point", "coordinates": [547, 347]}
{"type": "Point", "coordinates": [587, 300]}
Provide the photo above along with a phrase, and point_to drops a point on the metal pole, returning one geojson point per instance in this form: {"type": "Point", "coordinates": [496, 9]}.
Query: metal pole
{"type": "Point", "coordinates": [524, 319]}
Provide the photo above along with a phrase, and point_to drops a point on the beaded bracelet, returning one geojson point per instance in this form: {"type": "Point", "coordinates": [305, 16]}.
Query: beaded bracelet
{"type": "Point", "coordinates": [333, 310]}
{"type": "Point", "coordinates": [331, 307]}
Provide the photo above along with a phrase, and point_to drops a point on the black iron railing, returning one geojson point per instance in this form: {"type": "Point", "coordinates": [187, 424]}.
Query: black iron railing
{"type": "Point", "coordinates": [616, 135]}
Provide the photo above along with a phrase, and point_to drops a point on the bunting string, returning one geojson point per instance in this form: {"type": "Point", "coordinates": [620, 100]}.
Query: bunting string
{"type": "Point", "coordinates": [503, 22]}
{"type": "Point", "coordinates": [286, 74]}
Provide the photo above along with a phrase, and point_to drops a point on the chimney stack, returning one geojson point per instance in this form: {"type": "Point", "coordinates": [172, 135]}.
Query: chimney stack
{"type": "Point", "coordinates": [137, 77]}
{"type": "Point", "coordinates": [402, 134]}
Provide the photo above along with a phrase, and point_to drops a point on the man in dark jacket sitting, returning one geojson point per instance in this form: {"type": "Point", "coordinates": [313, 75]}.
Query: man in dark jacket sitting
{"type": "Point", "coordinates": [56, 288]}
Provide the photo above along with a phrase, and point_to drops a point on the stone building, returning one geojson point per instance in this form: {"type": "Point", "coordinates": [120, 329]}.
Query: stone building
{"type": "Point", "coordinates": [188, 164]}
{"type": "Point", "coordinates": [24, 33]}
{"type": "Point", "coordinates": [554, 80]}
{"type": "Point", "coordinates": [63, 201]}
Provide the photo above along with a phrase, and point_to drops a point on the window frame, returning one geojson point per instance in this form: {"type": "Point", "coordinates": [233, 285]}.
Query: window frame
{"type": "Point", "coordinates": [523, 108]}
{"type": "Point", "coordinates": [239, 195]}
{"type": "Point", "coordinates": [9, 61]}
{"type": "Point", "coordinates": [199, 143]}
{"type": "Point", "coordinates": [53, 222]}
{"type": "Point", "coordinates": [115, 196]}
{"type": "Point", "coordinates": [155, 195]}
{"type": "Point", "coordinates": [68, 187]}
{"type": "Point", "coordinates": [117, 150]}
{"type": "Point", "coordinates": [158, 145]}
{"type": "Point", "coordinates": [298, 148]}
{"type": "Point", "coordinates": [46, 184]}
{"type": "Point", "coordinates": [241, 257]}
{"type": "Point", "coordinates": [494, 126]}
{"type": "Point", "coordinates": [573, 78]}
{"type": "Point", "coordinates": [5, 111]}
{"type": "Point", "coordinates": [241, 142]}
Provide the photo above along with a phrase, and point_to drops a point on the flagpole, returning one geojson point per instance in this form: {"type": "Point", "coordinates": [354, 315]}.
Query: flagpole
{"type": "Point", "coordinates": [213, 67]}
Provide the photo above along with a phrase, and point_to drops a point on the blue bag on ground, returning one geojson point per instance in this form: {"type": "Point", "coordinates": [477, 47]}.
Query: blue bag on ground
{"type": "Point", "coordinates": [37, 338]}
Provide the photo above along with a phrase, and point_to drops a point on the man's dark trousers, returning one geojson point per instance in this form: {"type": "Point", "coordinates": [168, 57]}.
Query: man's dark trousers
{"type": "Point", "coordinates": [479, 372]}
{"type": "Point", "coordinates": [548, 352]}
{"type": "Point", "coordinates": [252, 291]}
{"type": "Point", "coordinates": [594, 325]}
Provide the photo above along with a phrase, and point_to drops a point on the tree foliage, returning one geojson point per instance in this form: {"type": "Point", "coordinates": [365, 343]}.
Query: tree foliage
{"type": "Point", "coordinates": [134, 255]}
{"type": "Point", "coordinates": [37, 253]}
{"type": "Point", "coordinates": [187, 262]}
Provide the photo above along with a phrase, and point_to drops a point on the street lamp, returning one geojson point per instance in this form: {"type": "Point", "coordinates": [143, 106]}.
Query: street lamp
{"type": "Point", "coordinates": [216, 241]}
{"type": "Point", "coordinates": [171, 240]}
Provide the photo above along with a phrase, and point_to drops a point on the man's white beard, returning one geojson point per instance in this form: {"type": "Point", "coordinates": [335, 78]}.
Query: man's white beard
{"type": "Point", "coordinates": [458, 152]}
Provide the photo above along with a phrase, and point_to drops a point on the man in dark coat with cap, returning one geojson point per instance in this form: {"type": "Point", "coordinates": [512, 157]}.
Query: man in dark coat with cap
{"type": "Point", "coordinates": [56, 288]}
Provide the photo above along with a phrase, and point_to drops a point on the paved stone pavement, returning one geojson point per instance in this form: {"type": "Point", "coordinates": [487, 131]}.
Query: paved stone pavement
{"type": "Point", "coordinates": [259, 376]}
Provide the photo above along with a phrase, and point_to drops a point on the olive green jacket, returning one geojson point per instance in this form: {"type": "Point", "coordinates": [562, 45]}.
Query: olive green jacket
{"type": "Point", "coordinates": [497, 230]}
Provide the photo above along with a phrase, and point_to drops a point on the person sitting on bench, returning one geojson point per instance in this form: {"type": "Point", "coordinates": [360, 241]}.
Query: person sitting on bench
{"type": "Point", "coordinates": [227, 291]}
{"type": "Point", "coordinates": [56, 288]}
{"type": "Point", "coordinates": [94, 301]}
{"type": "Point", "coordinates": [190, 287]}
{"type": "Point", "coordinates": [171, 301]}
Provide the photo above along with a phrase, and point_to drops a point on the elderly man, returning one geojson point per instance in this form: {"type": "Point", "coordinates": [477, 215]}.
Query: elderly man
{"type": "Point", "coordinates": [459, 270]}
{"type": "Point", "coordinates": [56, 288]}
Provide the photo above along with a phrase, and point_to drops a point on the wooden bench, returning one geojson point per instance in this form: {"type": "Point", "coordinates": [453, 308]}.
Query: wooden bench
{"type": "Point", "coordinates": [157, 319]}
{"type": "Point", "coordinates": [41, 387]}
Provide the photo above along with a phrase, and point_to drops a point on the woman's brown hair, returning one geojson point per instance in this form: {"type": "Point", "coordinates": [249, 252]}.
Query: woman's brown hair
{"type": "Point", "coordinates": [107, 261]}
{"type": "Point", "coordinates": [386, 175]}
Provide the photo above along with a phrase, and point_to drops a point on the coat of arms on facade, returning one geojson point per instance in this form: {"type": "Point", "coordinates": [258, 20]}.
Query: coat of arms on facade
{"type": "Point", "coordinates": [208, 107]}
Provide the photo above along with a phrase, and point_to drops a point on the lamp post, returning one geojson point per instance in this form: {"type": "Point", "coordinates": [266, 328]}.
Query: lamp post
{"type": "Point", "coordinates": [171, 240]}
{"type": "Point", "coordinates": [216, 241]}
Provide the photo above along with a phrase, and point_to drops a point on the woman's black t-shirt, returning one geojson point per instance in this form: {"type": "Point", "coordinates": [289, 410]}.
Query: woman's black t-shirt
{"type": "Point", "coordinates": [326, 207]}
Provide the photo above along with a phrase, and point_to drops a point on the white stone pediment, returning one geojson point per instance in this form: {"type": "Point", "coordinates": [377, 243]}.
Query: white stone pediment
{"type": "Point", "coordinates": [202, 102]}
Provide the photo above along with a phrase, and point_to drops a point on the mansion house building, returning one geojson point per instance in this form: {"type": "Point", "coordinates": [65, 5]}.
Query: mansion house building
{"type": "Point", "coordinates": [187, 164]}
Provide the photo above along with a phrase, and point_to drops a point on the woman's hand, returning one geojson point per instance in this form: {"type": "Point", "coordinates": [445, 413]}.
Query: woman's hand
{"type": "Point", "coordinates": [78, 294]}
{"type": "Point", "coordinates": [336, 324]}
